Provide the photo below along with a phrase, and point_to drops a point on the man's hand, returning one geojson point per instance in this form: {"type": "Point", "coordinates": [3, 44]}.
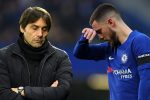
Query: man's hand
{"type": "Point", "coordinates": [16, 91]}
{"type": "Point", "coordinates": [89, 34]}
{"type": "Point", "coordinates": [55, 84]}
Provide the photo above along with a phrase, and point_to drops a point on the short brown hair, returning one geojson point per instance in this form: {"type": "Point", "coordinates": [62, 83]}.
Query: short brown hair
{"type": "Point", "coordinates": [101, 11]}
{"type": "Point", "coordinates": [32, 14]}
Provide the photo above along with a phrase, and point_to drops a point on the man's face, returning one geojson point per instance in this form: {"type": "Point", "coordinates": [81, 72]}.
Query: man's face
{"type": "Point", "coordinates": [103, 31]}
{"type": "Point", "coordinates": [35, 33]}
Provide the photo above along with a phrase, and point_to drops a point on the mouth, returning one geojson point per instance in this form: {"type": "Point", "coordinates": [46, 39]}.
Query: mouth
{"type": "Point", "coordinates": [38, 41]}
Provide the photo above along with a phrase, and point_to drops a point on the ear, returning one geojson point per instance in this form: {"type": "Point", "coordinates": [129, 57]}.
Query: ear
{"type": "Point", "coordinates": [111, 22]}
{"type": "Point", "coordinates": [21, 29]}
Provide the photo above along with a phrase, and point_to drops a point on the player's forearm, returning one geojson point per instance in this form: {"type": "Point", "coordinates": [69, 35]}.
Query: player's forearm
{"type": "Point", "coordinates": [144, 86]}
{"type": "Point", "coordinates": [81, 48]}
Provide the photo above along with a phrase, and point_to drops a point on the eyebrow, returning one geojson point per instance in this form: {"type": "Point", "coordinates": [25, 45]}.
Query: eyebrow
{"type": "Point", "coordinates": [34, 25]}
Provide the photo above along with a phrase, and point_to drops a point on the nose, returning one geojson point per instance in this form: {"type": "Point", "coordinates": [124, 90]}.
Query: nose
{"type": "Point", "coordinates": [39, 33]}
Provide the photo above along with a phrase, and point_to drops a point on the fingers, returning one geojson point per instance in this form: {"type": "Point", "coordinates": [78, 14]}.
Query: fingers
{"type": "Point", "coordinates": [55, 84]}
{"type": "Point", "coordinates": [89, 33]}
{"type": "Point", "coordinates": [15, 90]}
{"type": "Point", "coordinates": [92, 36]}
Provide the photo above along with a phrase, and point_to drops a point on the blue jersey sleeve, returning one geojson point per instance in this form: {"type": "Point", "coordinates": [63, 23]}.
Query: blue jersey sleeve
{"type": "Point", "coordinates": [84, 50]}
{"type": "Point", "coordinates": [141, 49]}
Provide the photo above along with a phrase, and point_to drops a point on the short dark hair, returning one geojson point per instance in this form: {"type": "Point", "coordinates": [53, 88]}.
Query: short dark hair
{"type": "Point", "coordinates": [101, 11]}
{"type": "Point", "coordinates": [32, 14]}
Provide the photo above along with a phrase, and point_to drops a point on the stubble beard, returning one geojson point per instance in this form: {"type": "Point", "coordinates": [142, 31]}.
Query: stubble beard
{"type": "Point", "coordinates": [115, 43]}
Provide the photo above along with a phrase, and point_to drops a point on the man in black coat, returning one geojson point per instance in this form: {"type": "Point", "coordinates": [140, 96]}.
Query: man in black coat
{"type": "Point", "coordinates": [31, 68]}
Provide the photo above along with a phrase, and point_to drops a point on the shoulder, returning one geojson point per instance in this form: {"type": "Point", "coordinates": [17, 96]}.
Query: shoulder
{"type": "Point", "coordinates": [59, 52]}
{"type": "Point", "coordinates": [6, 52]}
{"type": "Point", "coordinates": [60, 55]}
{"type": "Point", "coordinates": [141, 40]}
{"type": "Point", "coordinates": [7, 49]}
{"type": "Point", "coordinates": [141, 37]}
{"type": "Point", "coordinates": [141, 44]}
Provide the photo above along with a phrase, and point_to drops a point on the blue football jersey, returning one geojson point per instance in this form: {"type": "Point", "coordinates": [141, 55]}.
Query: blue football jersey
{"type": "Point", "coordinates": [128, 65]}
{"type": "Point", "coordinates": [122, 71]}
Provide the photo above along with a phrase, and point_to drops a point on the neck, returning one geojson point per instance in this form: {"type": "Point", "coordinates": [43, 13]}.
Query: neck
{"type": "Point", "coordinates": [31, 52]}
{"type": "Point", "coordinates": [123, 32]}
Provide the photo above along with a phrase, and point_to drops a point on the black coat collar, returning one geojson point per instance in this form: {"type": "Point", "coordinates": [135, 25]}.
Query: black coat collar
{"type": "Point", "coordinates": [17, 50]}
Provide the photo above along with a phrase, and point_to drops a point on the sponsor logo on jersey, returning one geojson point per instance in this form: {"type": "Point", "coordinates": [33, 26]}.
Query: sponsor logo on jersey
{"type": "Point", "coordinates": [109, 70]}
{"type": "Point", "coordinates": [121, 73]}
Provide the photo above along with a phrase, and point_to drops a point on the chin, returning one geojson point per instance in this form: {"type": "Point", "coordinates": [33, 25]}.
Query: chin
{"type": "Point", "coordinates": [37, 46]}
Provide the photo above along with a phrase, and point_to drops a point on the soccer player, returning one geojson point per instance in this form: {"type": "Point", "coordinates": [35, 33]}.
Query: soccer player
{"type": "Point", "coordinates": [127, 52]}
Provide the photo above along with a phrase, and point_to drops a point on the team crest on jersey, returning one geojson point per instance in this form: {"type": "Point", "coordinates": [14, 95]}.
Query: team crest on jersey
{"type": "Point", "coordinates": [124, 58]}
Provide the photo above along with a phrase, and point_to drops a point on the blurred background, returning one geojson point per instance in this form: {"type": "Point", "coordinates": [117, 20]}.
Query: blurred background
{"type": "Point", "coordinates": [69, 18]}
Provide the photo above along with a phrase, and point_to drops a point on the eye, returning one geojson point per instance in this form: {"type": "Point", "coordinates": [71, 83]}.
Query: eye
{"type": "Point", "coordinates": [45, 29]}
{"type": "Point", "coordinates": [99, 31]}
{"type": "Point", "coordinates": [34, 27]}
